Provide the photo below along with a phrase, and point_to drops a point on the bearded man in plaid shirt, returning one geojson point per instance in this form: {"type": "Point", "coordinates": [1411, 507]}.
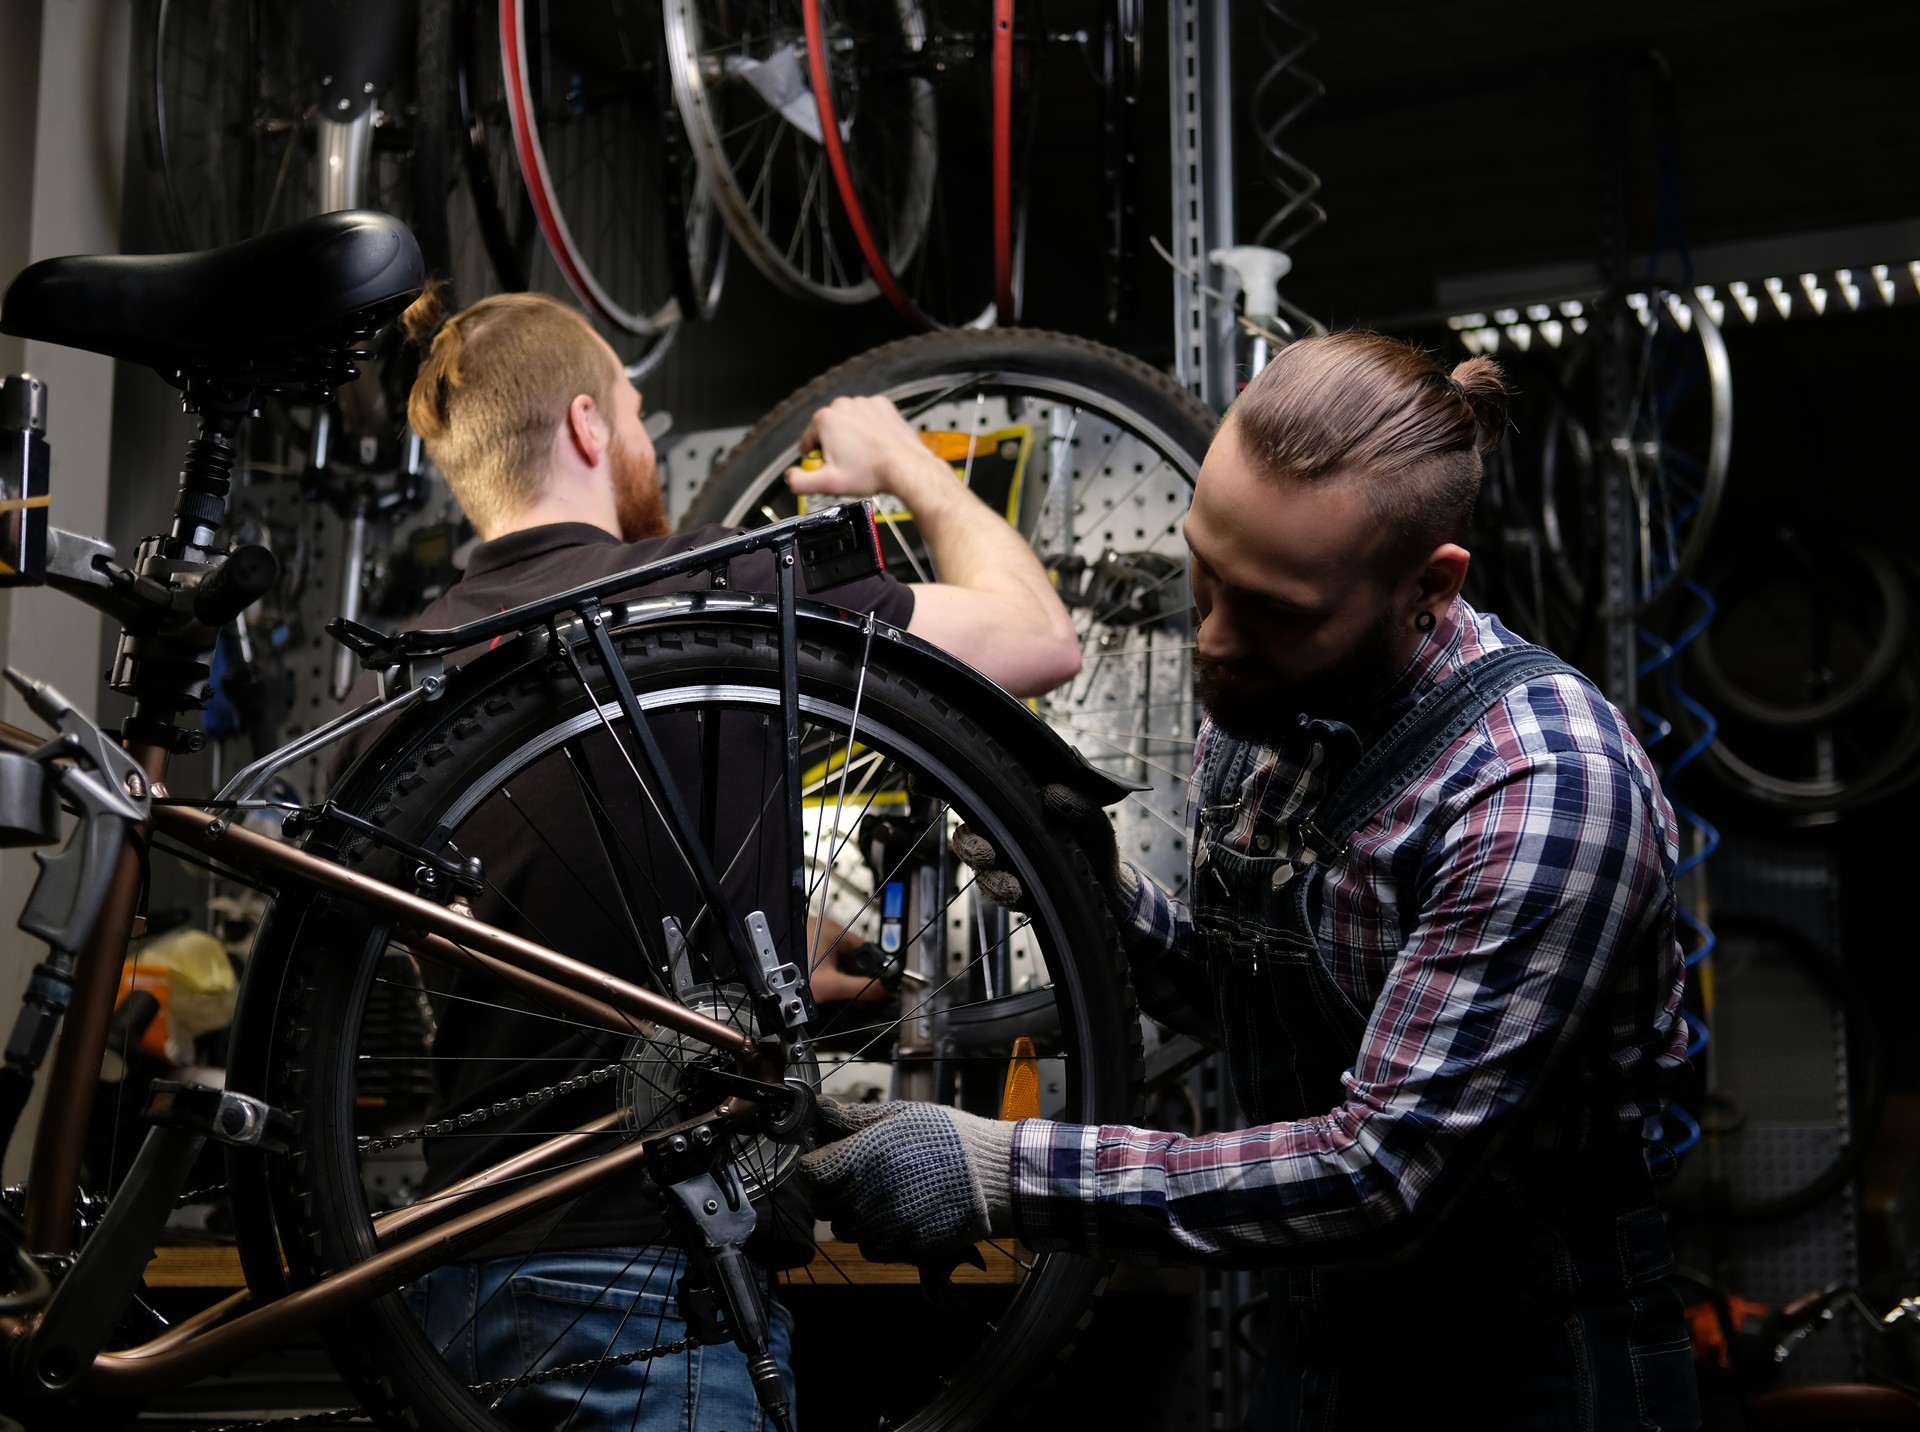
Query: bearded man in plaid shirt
{"type": "Point", "coordinates": [1430, 921]}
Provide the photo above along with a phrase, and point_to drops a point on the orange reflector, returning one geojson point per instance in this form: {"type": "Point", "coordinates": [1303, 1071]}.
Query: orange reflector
{"type": "Point", "coordinates": [948, 447]}
{"type": "Point", "coordinates": [1022, 1097]}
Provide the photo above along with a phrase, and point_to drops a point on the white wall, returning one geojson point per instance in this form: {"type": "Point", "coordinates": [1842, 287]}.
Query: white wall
{"type": "Point", "coordinates": [64, 70]}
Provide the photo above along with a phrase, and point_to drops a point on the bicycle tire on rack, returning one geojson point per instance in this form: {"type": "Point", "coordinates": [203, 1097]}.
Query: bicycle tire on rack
{"type": "Point", "coordinates": [587, 123]}
{"type": "Point", "coordinates": [1674, 452]}
{"type": "Point", "coordinates": [740, 83]}
{"type": "Point", "coordinates": [1809, 573]}
{"type": "Point", "coordinates": [1862, 1070]}
{"type": "Point", "coordinates": [218, 120]}
{"type": "Point", "coordinates": [320, 966]}
{"type": "Point", "coordinates": [502, 210]}
{"type": "Point", "coordinates": [1135, 441]}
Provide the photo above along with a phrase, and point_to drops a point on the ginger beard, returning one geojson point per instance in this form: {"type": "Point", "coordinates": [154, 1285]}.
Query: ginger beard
{"type": "Point", "coordinates": [1250, 701]}
{"type": "Point", "coordinates": [638, 506]}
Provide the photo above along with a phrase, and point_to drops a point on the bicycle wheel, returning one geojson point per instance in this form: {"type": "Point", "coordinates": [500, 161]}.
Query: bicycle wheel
{"type": "Point", "coordinates": [502, 211]}
{"type": "Point", "coordinates": [221, 119]}
{"type": "Point", "coordinates": [583, 91]}
{"type": "Point", "coordinates": [1113, 449]}
{"type": "Point", "coordinates": [1783, 1004]}
{"type": "Point", "coordinates": [359, 1025]}
{"type": "Point", "coordinates": [1532, 509]}
{"type": "Point", "coordinates": [1674, 441]}
{"type": "Point", "coordinates": [1817, 626]}
{"type": "Point", "coordinates": [741, 79]}
{"type": "Point", "coordinates": [914, 221]}
{"type": "Point", "coordinates": [1838, 729]}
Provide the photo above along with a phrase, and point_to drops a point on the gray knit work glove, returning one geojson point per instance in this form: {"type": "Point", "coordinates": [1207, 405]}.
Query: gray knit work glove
{"type": "Point", "coordinates": [910, 1183]}
{"type": "Point", "coordinates": [1087, 823]}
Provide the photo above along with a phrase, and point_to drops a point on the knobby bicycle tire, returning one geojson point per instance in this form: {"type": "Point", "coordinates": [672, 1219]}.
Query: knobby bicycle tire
{"type": "Point", "coordinates": [1124, 443]}
{"type": "Point", "coordinates": [328, 976]}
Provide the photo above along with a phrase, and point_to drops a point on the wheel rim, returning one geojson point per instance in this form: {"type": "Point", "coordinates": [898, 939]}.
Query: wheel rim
{"type": "Point", "coordinates": [871, 188]}
{"type": "Point", "coordinates": [225, 120]}
{"type": "Point", "coordinates": [576, 135]}
{"type": "Point", "coordinates": [1835, 613]}
{"type": "Point", "coordinates": [1676, 443]}
{"type": "Point", "coordinates": [503, 211]}
{"type": "Point", "coordinates": [1673, 447]}
{"type": "Point", "coordinates": [740, 83]}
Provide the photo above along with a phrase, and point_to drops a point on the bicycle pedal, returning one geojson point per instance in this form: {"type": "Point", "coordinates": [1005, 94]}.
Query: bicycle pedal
{"type": "Point", "coordinates": [218, 1114]}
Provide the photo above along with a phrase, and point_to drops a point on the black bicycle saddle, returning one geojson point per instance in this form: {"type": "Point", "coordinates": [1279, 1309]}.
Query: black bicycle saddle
{"type": "Point", "coordinates": [281, 312]}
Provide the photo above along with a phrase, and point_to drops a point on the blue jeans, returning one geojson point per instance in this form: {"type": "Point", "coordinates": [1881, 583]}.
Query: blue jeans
{"type": "Point", "coordinates": [507, 1316]}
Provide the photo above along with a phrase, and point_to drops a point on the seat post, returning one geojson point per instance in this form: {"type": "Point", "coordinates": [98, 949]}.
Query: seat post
{"type": "Point", "coordinates": [166, 665]}
{"type": "Point", "coordinates": [205, 479]}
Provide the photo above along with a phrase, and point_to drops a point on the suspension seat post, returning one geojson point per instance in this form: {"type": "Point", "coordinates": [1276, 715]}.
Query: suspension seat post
{"type": "Point", "coordinates": [165, 664]}
{"type": "Point", "coordinates": [205, 480]}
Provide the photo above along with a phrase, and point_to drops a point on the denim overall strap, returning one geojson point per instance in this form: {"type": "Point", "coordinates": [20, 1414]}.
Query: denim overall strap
{"type": "Point", "coordinates": [1290, 1030]}
{"type": "Point", "coordinates": [1411, 746]}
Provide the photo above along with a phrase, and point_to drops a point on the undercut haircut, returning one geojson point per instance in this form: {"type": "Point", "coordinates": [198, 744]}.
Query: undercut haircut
{"type": "Point", "coordinates": [494, 388]}
{"type": "Point", "coordinates": [1379, 413]}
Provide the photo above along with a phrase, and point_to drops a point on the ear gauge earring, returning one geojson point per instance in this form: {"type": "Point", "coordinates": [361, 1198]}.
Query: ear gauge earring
{"type": "Point", "coordinates": [1423, 621]}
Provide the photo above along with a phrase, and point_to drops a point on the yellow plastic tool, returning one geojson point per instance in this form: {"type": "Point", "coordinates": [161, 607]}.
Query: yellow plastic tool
{"type": "Point", "coordinates": [950, 447]}
{"type": "Point", "coordinates": [1021, 1099]}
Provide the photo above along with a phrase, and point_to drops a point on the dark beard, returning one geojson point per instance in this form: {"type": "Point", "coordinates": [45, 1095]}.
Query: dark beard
{"type": "Point", "coordinates": [1264, 710]}
{"type": "Point", "coordinates": [638, 506]}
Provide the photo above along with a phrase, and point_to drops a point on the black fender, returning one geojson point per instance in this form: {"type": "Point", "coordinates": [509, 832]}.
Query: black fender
{"type": "Point", "coordinates": [1041, 749]}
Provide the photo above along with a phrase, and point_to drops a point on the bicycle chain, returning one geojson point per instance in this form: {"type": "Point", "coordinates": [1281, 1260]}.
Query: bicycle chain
{"type": "Point", "coordinates": [625, 1359]}
{"type": "Point", "coordinates": [486, 1390]}
{"type": "Point", "coordinates": [492, 1111]}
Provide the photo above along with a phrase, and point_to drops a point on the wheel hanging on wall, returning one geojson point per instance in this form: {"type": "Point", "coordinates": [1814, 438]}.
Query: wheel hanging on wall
{"type": "Point", "coordinates": [1093, 454]}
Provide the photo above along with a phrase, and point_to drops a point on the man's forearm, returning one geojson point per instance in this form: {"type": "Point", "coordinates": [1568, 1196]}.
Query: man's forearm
{"type": "Point", "coordinates": [972, 545]}
{"type": "Point", "coordinates": [994, 604]}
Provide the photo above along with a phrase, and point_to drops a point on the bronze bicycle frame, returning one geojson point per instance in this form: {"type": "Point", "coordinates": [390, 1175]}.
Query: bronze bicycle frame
{"type": "Point", "coordinates": [846, 543]}
{"type": "Point", "coordinates": [235, 1329]}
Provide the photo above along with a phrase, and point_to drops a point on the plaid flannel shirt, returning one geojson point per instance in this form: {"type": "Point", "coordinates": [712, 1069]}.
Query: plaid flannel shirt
{"type": "Point", "coordinates": [1517, 900]}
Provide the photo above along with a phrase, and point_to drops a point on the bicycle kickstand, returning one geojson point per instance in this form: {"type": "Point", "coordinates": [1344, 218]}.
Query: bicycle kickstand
{"type": "Point", "coordinates": [707, 1198]}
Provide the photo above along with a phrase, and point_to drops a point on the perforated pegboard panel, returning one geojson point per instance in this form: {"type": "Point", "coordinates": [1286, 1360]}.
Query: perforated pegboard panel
{"type": "Point", "coordinates": [288, 629]}
{"type": "Point", "coordinates": [686, 460]}
{"type": "Point", "coordinates": [1092, 488]}
{"type": "Point", "coordinates": [1779, 1056]}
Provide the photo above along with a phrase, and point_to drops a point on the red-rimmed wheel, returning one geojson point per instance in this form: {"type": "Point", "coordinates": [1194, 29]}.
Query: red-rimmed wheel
{"type": "Point", "coordinates": [741, 79]}
{"type": "Point", "coordinates": [1006, 298]}
{"type": "Point", "coordinates": [933, 281]}
{"type": "Point", "coordinates": [583, 87]}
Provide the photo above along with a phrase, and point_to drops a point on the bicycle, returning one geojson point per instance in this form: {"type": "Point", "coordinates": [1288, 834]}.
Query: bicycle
{"type": "Point", "coordinates": [703, 1052]}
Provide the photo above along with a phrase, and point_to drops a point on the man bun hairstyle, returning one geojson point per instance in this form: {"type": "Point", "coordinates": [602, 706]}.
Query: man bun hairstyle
{"type": "Point", "coordinates": [1483, 387]}
{"type": "Point", "coordinates": [1372, 410]}
{"type": "Point", "coordinates": [496, 382]}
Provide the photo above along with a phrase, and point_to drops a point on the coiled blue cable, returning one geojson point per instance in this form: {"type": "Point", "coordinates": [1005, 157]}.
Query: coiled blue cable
{"type": "Point", "coordinates": [1664, 664]}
